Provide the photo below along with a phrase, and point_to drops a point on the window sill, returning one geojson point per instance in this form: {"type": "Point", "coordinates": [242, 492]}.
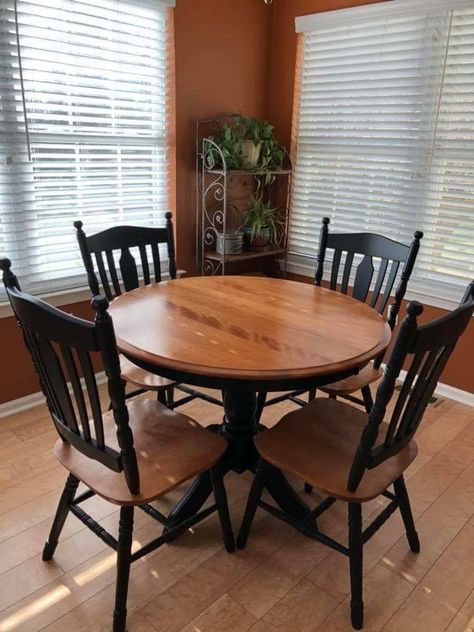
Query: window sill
{"type": "Point", "coordinates": [307, 270]}
{"type": "Point", "coordinates": [65, 297]}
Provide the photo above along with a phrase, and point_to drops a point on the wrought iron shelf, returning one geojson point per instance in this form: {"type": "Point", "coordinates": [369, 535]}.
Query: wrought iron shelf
{"type": "Point", "coordinates": [245, 256]}
{"type": "Point", "coordinates": [248, 172]}
{"type": "Point", "coordinates": [222, 197]}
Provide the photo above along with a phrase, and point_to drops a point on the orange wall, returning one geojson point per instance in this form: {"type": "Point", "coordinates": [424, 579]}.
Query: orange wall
{"type": "Point", "coordinates": [222, 53]}
{"type": "Point", "coordinates": [17, 377]}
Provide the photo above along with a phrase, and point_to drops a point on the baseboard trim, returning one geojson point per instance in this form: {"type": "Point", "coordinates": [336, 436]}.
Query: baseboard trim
{"type": "Point", "coordinates": [21, 404]}
{"type": "Point", "coordinates": [450, 392]}
{"type": "Point", "coordinates": [36, 399]}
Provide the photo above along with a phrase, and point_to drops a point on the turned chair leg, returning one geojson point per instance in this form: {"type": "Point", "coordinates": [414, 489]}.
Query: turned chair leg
{"type": "Point", "coordinates": [367, 397]}
{"type": "Point", "coordinates": [124, 551]}
{"type": "Point", "coordinates": [170, 396]}
{"type": "Point", "coordinates": [261, 399]}
{"type": "Point", "coordinates": [252, 504]}
{"type": "Point", "coordinates": [405, 509]}
{"type": "Point", "coordinates": [161, 396]}
{"type": "Point", "coordinates": [311, 395]}
{"type": "Point", "coordinates": [220, 498]}
{"type": "Point", "coordinates": [60, 518]}
{"type": "Point", "coordinates": [356, 564]}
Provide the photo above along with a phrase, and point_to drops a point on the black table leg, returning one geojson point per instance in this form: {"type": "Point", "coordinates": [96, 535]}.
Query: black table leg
{"type": "Point", "coordinates": [192, 501]}
{"type": "Point", "coordinates": [239, 427]}
{"type": "Point", "coordinates": [284, 494]}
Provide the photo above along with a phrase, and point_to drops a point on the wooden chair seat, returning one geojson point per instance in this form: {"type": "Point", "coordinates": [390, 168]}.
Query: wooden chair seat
{"type": "Point", "coordinates": [171, 448]}
{"type": "Point", "coordinates": [317, 445]}
{"type": "Point", "coordinates": [354, 383]}
{"type": "Point", "coordinates": [143, 379]}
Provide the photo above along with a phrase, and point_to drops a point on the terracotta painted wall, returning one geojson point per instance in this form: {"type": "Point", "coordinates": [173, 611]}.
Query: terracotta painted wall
{"type": "Point", "coordinates": [222, 54]}
{"type": "Point", "coordinates": [17, 377]}
{"type": "Point", "coordinates": [459, 372]}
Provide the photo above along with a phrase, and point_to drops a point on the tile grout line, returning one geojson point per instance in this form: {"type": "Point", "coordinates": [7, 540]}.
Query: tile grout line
{"type": "Point", "coordinates": [415, 586]}
{"type": "Point", "coordinates": [403, 535]}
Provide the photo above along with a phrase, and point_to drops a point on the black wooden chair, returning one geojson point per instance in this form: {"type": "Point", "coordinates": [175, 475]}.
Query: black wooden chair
{"type": "Point", "coordinates": [124, 455]}
{"type": "Point", "coordinates": [119, 272]}
{"type": "Point", "coordinates": [394, 256]}
{"type": "Point", "coordinates": [354, 456]}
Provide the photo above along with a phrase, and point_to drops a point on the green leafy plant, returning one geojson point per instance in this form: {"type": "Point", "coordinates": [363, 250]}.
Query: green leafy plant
{"type": "Point", "coordinates": [230, 139]}
{"type": "Point", "coordinates": [231, 147]}
{"type": "Point", "coordinates": [259, 217]}
{"type": "Point", "coordinates": [252, 129]}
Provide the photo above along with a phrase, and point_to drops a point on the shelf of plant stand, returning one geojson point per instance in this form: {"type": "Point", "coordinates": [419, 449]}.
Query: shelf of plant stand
{"type": "Point", "coordinates": [249, 172]}
{"type": "Point", "coordinates": [246, 255]}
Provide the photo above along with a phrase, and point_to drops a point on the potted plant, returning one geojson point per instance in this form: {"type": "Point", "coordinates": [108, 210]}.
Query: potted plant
{"type": "Point", "coordinates": [260, 224]}
{"type": "Point", "coordinates": [246, 144]}
{"type": "Point", "coordinates": [253, 134]}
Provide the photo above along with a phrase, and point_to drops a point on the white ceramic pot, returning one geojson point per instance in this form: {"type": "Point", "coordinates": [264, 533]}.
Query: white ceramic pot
{"type": "Point", "coordinates": [250, 154]}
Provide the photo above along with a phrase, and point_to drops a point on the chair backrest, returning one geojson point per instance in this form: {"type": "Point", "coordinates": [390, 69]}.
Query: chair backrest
{"type": "Point", "coordinates": [427, 347]}
{"type": "Point", "coordinates": [392, 254]}
{"type": "Point", "coordinates": [61, 347]}
{"type": "Point", "coordinates": [116, 279]}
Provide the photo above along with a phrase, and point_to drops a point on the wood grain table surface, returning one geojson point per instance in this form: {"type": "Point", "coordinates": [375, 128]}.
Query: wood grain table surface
{"type": "Point", "coordinates": [246, 327]}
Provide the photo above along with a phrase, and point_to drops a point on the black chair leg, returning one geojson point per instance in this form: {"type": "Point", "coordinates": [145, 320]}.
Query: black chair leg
{"type": "Point", "coordinates": [261, 398]}
{"type": "Point", "coordinates": [170, 396]}
{"type": "Point", "coordinates": [161, 396]}
{"type": "Point", "coordinates": [220, 497]}
{"type": "Point", "coordinates": [252, 503]}
{"type": "Point", "coordinates": [311, 395]}
{"type": "Point", "coordinates": [367, 397]}
{"type": "Point", "coordinates": [60, 518]}
{"type": "Point", "coordinates": [356, 564]}
{"type": "Point", "coordinates": [124, 551]}
{"type": "Point", "coordinates": [405, 509]}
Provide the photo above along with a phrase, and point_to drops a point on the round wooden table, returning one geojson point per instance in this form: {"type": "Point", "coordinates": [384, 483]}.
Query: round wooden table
{"type": "Point", "coordinates": [243, 334]}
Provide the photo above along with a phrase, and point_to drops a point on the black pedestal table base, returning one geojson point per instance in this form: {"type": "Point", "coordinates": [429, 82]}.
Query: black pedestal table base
{"type": "Point", "coordinates": [239, 427]}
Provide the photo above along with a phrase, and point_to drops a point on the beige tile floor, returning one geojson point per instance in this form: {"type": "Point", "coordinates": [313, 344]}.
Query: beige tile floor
{"type": "Point", "coordinates": [282, 582]}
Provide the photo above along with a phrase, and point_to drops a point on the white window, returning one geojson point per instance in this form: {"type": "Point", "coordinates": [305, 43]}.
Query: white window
{"type": "Point", "coordinates": [83, 127]}
{"type": "Point", "coordinates": [385, 134]}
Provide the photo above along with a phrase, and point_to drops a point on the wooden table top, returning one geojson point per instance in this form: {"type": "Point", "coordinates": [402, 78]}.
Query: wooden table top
{"type": "Point", "coordinates": [243, 327]}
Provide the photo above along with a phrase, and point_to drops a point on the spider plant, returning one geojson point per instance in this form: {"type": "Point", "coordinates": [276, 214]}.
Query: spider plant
{"type": "Point", "coordinates": [261, 222]}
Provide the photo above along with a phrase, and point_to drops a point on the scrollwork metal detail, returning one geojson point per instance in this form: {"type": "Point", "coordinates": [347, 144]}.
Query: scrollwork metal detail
{"type": "Point", "coordinates": [212, 156]}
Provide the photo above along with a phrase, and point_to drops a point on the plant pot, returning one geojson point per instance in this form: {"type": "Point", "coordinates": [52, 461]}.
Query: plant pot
{"type": "Point", "coordinates": [250, 154]}
{"type": "Point", "coordinates": [258, 241]}
{"type": "Point", "coordinates": [229, 243]}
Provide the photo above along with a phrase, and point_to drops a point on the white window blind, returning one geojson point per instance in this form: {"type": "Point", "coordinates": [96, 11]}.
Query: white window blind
{"type": "Point", "coordinates": [83, 127]}
{"type": "Point", "coordinates": [385, 135]}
